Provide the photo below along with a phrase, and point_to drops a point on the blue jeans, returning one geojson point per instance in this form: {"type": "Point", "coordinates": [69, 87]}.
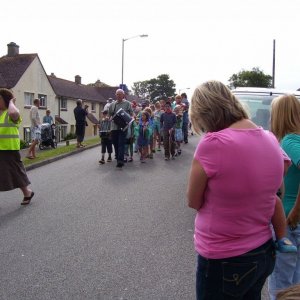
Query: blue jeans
{"type": "Point", "coordinates": [118, 138]}
{"type": "Point", "coordinates": [287, 267]}
{"type": "Point", "coordinates": [239, 277]}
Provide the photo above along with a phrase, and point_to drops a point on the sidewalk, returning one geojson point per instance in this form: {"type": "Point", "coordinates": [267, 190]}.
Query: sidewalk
{"type": "Point", "coordinates": [23, 153]}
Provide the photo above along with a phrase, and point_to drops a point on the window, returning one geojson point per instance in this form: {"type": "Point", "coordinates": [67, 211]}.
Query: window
{"type": "Point", "coordinates": [43, 100]}
{"type": "Point", "coordinates": [257, 102]}
{"type": "Point", "coordinates": [93, 108]}
{"type": "Point", "coordinates": [27, 134]}
{"type": "Point", "coordinates": [28, 99]}
{"type": "Point", "coordinates": [63, 103]}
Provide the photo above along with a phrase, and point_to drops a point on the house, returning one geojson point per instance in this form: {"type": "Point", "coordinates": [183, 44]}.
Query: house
{"type": "Point", "coordinates": [66, 94]}
{"type": "Point", "coordinates": [25, 75]}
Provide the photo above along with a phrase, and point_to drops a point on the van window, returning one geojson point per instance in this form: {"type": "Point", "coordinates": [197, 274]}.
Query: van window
{"type": "Point", "coordinates": [258, 106]}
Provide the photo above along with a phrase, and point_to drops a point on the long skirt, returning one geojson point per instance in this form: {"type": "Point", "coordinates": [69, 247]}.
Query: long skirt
{"type": "Point", "coordinates": [12, 171]}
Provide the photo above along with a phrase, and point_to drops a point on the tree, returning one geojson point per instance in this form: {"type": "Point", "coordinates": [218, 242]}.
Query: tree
{"type": "Point", "coordinates": [253, 78]}
{"type": "Point", "coordinates": [140, 88]}
{"type": "Point", "coordinates": [160, 86]}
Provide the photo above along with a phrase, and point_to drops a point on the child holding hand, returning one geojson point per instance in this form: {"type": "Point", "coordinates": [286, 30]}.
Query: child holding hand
{"type": "Point", "coordinates": [143, 139]}
{"type": "Point", "coordinates": [104, 133]}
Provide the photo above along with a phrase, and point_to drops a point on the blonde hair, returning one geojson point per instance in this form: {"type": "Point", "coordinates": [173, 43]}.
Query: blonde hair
{"type": "Point", "coordinates": [213, 107]}
{"type": "Point", "coordinates": [291, 293]}
{"type": "Point", "coordinates": [149, 111]}
{"type": "Point", "coordinates": [157, 105]}
{"type": "Point", "coordinates": [285, 116]}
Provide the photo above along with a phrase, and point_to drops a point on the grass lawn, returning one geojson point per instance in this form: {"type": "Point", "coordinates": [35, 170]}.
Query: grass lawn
{"type": "Point", "coordinates": [60, 150]}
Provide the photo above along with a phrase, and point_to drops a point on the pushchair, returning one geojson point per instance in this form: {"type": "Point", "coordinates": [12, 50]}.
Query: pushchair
{"type": "Point", "coordinates": [48, 139]}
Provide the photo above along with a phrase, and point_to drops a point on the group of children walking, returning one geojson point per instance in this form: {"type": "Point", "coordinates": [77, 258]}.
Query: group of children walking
{"type": "Point", "coordinates": [153, 125]}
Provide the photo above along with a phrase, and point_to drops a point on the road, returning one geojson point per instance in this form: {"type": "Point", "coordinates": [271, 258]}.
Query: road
{"type": "Point", "coordinates": [94, 232]}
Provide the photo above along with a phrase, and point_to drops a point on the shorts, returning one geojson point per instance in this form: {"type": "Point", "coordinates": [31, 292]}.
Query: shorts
{"type": "Point", "coordinates": [156, 127]}
{"type": "Point", "coordinates": [36, 133]}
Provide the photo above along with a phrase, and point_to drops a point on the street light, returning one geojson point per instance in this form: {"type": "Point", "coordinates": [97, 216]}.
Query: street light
{"type": "Point", "coordinates": [123, 41]}
{"type": "Point", "coordinates": [183, 90]}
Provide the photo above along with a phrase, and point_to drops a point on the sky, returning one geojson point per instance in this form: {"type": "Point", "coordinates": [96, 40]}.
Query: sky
{"type": "Point", "coordinates": [190, 40]}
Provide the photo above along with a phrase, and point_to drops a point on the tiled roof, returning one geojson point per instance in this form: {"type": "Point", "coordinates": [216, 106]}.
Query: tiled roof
{"type": "Point", "coordinates": [108, 92]}
{"type": "Point", "coordinates": [60, 120]}
{"type": "Point", "coordinates": [13, 67]}
{"type": "Point", "coordinates": [70, 89]}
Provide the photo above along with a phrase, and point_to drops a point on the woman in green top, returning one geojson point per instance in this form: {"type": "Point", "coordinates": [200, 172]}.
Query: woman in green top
{"type": "Point", "coordinates": [285, 124]}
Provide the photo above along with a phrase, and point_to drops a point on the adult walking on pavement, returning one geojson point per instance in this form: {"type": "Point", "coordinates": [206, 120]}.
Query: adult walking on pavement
{"type": "Point", "coordinates": [80, 114]}
{"type": "Point", "coordinates": [35, 128]}
{"type": "Point", "coordinates": [13, 174]}
{"type": "Point", "coordinates": [118, 135]}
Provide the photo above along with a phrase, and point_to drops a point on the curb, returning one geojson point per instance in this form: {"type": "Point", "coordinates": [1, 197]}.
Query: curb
{"type": "Point", "coordinates": [56, 158]}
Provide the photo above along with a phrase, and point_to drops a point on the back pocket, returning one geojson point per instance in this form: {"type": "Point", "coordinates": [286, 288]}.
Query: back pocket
{"type": "Point", "coordinates": [238, 277]}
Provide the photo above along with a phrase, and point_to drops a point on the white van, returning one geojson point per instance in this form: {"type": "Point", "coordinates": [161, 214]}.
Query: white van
{"type": "Point", "coordinates": [258, 101]}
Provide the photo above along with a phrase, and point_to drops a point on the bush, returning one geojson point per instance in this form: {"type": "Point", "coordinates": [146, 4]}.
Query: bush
{"type": "Point", "coordinates": [70, 136]}
{"type": "Point", "coordinates": [23, 144]}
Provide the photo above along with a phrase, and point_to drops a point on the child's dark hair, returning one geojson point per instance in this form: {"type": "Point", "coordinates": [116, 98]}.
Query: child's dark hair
{"type": "Point", "coordinates": [146, 114]}
{"type": "Point", "coordinates": [168, 103]}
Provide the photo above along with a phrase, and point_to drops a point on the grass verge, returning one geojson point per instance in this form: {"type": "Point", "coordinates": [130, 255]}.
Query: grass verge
{"type": "Point", "coordinates": [60, 150]}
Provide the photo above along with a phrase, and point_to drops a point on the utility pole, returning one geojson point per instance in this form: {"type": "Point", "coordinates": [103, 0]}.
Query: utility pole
{"type": "Point", "coordinates": [273, 71]}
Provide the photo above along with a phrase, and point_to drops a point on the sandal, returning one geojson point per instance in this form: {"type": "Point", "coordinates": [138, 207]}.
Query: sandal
{"type": "Point", "coordinates": [30, 157]}
{"type": "Point", "coordinates": [27, 200]}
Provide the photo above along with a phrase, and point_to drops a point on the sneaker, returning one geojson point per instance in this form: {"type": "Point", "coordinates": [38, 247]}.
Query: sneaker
{"type": "Point", "coordinates": [167, 158]}
{"type": "Point", "coordinates": [179, 152]}
{"type": "Point", "coordinates": [176, 154]}
{"type": "Point", "coordinates": [130, 159]}
{"type": "Point", "coordinates": [153, 151]}
{"type": "Point", "coordinates": [173, 157]}
{"type": "Point", "coordinates": [119, 165]}
{"type": "Point", "coordinates": [151, 156]}
{"type": "Point", "coordinates": [102, 161]}
{"type": "Point", "coordinates": [135, 151]}
{"type": "Point", "coordinates": [109, 159]}
{"type": "Point", "coordinates": [158, 149]}
{"type": "Point", "coordinates": [125, 160]}
{"type": "Point", "coordinates": [284, 245]}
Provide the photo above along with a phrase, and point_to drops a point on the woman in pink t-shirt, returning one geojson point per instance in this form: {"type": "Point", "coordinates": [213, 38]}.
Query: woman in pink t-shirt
{"type": "Point", "coordinates": [236, 172]}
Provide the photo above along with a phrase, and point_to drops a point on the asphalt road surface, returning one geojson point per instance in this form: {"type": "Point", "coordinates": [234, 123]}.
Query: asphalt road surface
{"type": "Point", "coordinates": [94, 232]}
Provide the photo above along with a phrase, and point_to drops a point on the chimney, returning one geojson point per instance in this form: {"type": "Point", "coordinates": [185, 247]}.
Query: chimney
{"type": "Point", "coordinates": [77, 79]}
{"type": "Point", "coordinates": [98, 83]}
{"type": "Point", "coordinates": [12, 49]}
{"type": "Point", "coordinates": [52, 75]}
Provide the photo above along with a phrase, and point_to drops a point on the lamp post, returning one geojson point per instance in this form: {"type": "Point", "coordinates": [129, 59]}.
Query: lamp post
{"type": "Point", "coordinates": [183, 90]}
{"type": "Point", "coordinates": [123, 41]}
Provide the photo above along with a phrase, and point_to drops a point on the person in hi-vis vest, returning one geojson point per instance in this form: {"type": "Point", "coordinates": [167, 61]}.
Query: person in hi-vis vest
{"type": "Point", "coordinates": [12, 173]}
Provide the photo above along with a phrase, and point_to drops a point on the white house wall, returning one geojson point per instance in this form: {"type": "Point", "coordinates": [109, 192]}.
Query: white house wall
{"type": "Point", "coordinates": [34, 80]}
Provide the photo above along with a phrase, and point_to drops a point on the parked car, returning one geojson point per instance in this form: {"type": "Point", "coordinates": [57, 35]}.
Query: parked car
{"type": "Point", "coordinates": [258, 102]}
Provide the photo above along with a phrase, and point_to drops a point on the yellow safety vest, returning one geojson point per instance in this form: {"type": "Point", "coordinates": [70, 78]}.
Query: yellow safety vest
{"type": "Point", "coordinates": [9, 133]}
